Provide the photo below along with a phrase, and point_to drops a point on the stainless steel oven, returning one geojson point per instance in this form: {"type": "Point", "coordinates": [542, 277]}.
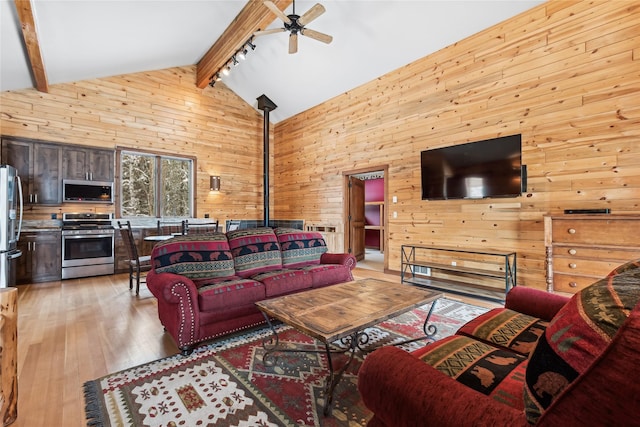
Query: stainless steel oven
{"type": "Point", "coordinates": [87, 245]}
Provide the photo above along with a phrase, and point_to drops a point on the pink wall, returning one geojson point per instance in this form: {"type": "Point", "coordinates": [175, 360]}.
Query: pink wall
{"type": "Point", "coordinates": [374, 190]}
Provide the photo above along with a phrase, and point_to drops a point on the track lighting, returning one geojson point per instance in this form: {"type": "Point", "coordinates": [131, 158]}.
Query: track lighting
{"type": "Point", "coordinates": [233, 61]}
{"type": "Point", "coordinates": [215, 78]}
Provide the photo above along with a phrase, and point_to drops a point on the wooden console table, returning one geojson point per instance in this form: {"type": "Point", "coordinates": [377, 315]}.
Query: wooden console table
{"type": "Point", "coordinates": [581, 249]}
{"type": "Point", "coordinates": [483, 274]}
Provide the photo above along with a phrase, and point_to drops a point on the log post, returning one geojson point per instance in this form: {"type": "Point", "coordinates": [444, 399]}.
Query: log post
{"type": "Point", "coordinates": [8, 355]}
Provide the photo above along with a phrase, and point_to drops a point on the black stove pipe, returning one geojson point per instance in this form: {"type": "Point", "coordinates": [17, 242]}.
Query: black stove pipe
{"type": "Point", "coordinates": [266, 105]}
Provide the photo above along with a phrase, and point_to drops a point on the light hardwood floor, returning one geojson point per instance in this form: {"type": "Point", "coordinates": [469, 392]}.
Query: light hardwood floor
{"type": "Point", "coordinates": [77, 330]}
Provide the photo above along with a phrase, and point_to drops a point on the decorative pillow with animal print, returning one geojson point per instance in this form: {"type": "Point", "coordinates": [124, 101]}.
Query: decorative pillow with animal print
{"type": "Point", "coordinates": [194, 256]}
{"type": "Point", "coordinates": [488, 369]}
{"type": "Point", "coordinates": [506, 328]}
{"type": "Point", "coordinates": [577, 335]}
{"type": "Point", "coordinates": [300, 248]}
{"type": "Point", "coordinates": [255, 250]}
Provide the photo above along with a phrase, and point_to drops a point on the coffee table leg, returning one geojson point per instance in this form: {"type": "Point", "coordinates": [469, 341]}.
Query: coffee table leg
{"type": "Point", "coordinates": [430, 330]}
{"type": "Point", "coordinates": [354, 342]}
{"type": "Point", "coordinates": [270, 344]}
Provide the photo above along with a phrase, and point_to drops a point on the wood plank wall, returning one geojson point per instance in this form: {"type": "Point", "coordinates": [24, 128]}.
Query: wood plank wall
{"type": "Point", "coordinates": [162, 111]}
{"type": "Point", "coordinates": [565, 74]}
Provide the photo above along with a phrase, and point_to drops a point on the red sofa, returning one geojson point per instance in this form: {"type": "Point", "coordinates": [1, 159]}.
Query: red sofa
{"type": "Point", "coordinates": [543, 360]}
{"type": "Point", "coordinates": [207, 286]}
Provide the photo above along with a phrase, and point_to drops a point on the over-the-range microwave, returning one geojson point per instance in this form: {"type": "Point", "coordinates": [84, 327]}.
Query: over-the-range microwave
{"type": "Point", "coordinates": [74, 190]}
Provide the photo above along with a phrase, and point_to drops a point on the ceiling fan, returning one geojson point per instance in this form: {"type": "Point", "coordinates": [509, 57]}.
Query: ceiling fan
{"type": "Point", "coordinates": [295, 24]}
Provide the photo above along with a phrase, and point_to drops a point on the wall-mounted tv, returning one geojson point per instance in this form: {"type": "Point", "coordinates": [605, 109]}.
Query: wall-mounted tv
{"type": "Point", "coordinates": [475, 170]}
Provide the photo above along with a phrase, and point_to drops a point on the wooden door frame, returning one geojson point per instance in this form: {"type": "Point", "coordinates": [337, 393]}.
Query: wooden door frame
{"type": "Point", "coordinates": [345, 214]}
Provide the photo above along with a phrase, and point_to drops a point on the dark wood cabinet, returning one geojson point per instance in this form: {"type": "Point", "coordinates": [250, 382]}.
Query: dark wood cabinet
{"type": "Point", "coordinates": [41, 259]}
{"type": "Point", "coordinates": [39, 166]}
{"type": "Point", "coordinates": [88, 164]}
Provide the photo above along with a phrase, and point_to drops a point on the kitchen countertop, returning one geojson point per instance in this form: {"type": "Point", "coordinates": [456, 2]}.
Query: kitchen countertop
{"type": "Point", "coordinates": [44, 225]}
{"type": "Point", "coordinates": [56, 225]}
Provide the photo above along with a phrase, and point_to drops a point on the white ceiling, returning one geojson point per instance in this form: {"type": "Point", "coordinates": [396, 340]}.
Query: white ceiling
{"type": "Point", "coordinates": [98, 38]}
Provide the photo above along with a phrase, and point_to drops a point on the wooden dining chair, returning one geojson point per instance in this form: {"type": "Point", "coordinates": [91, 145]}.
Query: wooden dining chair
{"type": "Point", "coordinates": [137, 264]}
{"type": "Point", "coordinates": [199, 227]}
{"type": "Point", "coordinates": [167, 228]}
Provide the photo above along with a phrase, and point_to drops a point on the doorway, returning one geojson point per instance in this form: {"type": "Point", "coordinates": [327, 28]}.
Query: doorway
{"type": "Point", "coordinates": [365, 211]}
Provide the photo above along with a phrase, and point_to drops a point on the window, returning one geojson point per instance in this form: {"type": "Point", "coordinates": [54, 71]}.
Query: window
{"type": "Point", "coordinates": [155, 186]}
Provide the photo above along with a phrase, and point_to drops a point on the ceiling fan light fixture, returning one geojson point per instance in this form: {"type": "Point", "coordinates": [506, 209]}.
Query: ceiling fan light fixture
{"type": "Point", "coordinates": [296, 24]}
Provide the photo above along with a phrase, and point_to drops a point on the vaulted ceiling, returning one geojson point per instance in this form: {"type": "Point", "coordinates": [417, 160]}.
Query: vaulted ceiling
{"type": "Point", "coordinates": [78, 40]}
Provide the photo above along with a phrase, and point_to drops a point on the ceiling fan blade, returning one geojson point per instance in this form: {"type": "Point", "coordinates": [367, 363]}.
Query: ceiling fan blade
{"type": "Point", "coordinates": [311, 14]}
{"type": "Point", "coordinates": [293, 43]}
{"type": "Point", "coordinates": [324, 38]}
{"type": "Point", "coordinates": [271, 31]}
{"type": "Point", "coordinates": [273, 8]}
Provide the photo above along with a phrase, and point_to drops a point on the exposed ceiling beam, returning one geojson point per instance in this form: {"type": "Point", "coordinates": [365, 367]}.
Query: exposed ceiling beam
{"type": "Point", "coordinates": [253, 17]}
{"type": "Point", "coordinates": [30, 35]}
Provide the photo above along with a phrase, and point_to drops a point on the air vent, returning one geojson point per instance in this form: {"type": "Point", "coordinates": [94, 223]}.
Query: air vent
{"type": "Point", "coordinates": [419, 270]}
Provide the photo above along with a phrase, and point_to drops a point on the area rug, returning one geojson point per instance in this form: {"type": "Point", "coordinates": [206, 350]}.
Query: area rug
{"type": "Point", "coordinates": [226, 382]}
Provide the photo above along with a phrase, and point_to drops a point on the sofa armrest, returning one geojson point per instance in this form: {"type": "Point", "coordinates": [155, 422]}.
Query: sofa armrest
{"type": "Point", "coordinates": [161, 286]}
{"type": "Point", "coordinates": [343, 259]}
{"type": "Point", "coordinates": [535, 302]}
{"type": "Point", "coordinates": [402, 390]}
{"type": "Point", "coordinates": [178, 307]}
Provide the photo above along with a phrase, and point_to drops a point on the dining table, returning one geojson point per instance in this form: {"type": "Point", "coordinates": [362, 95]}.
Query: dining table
{"type": "Point", "coordinates": [160, 238]}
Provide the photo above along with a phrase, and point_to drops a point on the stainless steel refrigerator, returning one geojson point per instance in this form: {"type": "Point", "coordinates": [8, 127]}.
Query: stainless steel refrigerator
{"type": "Point", "coordinates": [10, 223]}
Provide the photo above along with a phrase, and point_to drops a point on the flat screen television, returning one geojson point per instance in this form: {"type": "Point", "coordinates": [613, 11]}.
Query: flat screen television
{"type": "Point", "coordinates": [475, 170]}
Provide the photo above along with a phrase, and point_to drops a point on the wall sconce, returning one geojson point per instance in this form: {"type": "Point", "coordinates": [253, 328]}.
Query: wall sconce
{"type": "Point", "coordinates": [214, 183]}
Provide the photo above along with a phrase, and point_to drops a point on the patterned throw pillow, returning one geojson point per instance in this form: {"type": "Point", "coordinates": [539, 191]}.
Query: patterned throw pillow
{"type": "Point", "coordinates": [625, 267]}
{"type": "Point", "coordinates": [300, 248]}
{"type": "Point", "coordinates": [577, 336]}
{"type": "Point", "coordinates": [490, 370]}
{"type": "Point", "coordinates": [195, 257]}
{"type": "Point", "coordinates": [255, 250]}
{"type": "Point", "coordinates": [506, 328]}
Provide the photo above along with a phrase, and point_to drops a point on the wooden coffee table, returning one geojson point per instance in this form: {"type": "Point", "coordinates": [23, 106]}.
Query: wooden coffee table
{"type": "Point", "coordinates": [342, 312]}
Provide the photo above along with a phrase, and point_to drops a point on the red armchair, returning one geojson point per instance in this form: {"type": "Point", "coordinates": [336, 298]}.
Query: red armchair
{"type": "Point", "coordinates": [403, 389]}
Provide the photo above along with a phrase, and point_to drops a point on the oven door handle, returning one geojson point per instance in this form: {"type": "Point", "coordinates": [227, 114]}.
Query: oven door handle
{"type": "Point", "coordinates": [85, 236]}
